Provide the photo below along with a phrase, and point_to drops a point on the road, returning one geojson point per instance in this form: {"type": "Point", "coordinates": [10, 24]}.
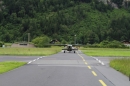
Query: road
{"type": "Point", "coordinates": [63, 69]}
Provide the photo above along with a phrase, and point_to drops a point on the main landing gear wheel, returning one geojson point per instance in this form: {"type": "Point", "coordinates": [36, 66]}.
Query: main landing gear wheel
{"type": "Point", "coordinates": [74, 51]}
{"type": "Point", "coordinates": [64, 51]}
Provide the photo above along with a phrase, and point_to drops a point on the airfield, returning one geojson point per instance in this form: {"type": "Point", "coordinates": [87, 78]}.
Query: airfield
{"type": "Point", "coordinates": [62, 69]}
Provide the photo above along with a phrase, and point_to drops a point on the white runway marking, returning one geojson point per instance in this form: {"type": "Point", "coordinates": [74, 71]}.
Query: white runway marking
{"type": "Point", "coordinates": [35, 60]}
{"type": "Point", "coordinates": [102, 63]}
{"type": "Point", "coordinates": [29, 62]}
{"type": "Point", "coordinates": [98, 60]}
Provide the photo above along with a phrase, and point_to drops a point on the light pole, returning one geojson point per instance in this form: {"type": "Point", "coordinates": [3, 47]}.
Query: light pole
{"type": "Point", "coordinates": [28, 38]}
{"type": "Point", "coordinates": [75, 38]}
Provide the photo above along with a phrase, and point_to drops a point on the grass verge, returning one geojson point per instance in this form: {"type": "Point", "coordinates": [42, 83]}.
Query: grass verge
{"type": "Point", "coordinates": [106, 52]}
{"type": "Point", "coordinates": [122, 65]}
{"type": "Point", "coordinates": [30, 51]}
{"type": "Point", "coordinates": [9, 65]}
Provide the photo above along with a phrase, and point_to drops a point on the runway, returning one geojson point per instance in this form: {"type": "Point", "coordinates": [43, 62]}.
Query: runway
{"type": "Point", "coordinates": [63, 69]}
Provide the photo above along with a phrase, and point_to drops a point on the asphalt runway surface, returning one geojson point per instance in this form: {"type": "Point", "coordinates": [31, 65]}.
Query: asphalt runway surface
{"type": "Point", "coordinates": [62, 69]}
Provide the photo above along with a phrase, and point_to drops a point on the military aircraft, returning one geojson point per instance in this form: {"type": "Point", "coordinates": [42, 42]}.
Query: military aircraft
{"type": "Point", "coordinates": [69, 47]}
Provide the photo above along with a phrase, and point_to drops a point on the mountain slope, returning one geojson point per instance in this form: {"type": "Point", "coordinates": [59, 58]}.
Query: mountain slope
{"type": "Point", "coordinates": [91, 21]}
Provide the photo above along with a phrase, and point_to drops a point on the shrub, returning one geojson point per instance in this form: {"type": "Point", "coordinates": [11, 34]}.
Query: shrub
{"type": "Point", "coordinates": [64, 42]}
{"type": "Point", "coordinates": [116, 44]}
{"type": "Point", "coordinates": [1, 43]}
{"type": "Point", "coordinates": [42, 41]}
{"type": "Point", "coordinates": [104, 44]}
{"type": "Point", "coordinates": [107, 44]}
{"type": "Point", "coordinates": [92, 46]}
{"type": "Point", "coordinates": [112, 44]}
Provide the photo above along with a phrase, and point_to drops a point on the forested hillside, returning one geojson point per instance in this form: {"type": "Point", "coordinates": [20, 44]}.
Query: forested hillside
{"type": "Point", "coordinates": [91, 21]}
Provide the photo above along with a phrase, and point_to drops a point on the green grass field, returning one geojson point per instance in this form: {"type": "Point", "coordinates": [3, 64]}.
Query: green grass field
{"type": "Point", "coordinates": [122, 65]}
{"type": "Point", "coordinates": [112, 52]}
{"type": "Point", "coordinates": [119, 64]}
{"type": "Point", "coordinates": [9, 65]}
{"type": "Point", "coordinates": [30, 51]}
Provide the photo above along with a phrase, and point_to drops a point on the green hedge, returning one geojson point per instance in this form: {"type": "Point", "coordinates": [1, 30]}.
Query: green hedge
{"type": "Point", "coordinates": [107, 44]}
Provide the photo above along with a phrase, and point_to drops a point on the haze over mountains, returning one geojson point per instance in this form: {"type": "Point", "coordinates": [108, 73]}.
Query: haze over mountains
{"type": "Point", "coordinates": [90, 20]}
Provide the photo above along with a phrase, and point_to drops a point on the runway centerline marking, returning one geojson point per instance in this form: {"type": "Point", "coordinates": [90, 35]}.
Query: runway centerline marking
{"type": "Point", "coordinates": [94, 73]}
{"type": "Point", "coordinates": [86, 63]}
{"type": "Point", "coordinates": [81, 57]}
{"type": "Point", "coordinates": [89, 67]}
{"type": "Point", "coordinates": [103, 84]}
{"type": "Point", "coordinates": [84, 60]}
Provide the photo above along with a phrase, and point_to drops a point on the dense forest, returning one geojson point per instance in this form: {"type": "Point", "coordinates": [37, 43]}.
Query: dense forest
{"type": "Point", "coordinates": [90, 21]}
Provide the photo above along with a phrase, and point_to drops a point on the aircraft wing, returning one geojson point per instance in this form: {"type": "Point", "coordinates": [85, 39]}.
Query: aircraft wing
{"type": "Point", "coordinates": [76, 44]}
{"type": "Point", "coordinates": [64, 49]}
{"type": "Point", "coordinates": [75, 49]}
{"type": "Point", "coordinates": [57, 44]}
{"type": "Point", "coordinates": [72, 49]}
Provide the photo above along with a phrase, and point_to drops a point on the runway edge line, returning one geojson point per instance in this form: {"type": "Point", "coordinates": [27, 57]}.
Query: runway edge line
{"type": "Point", "coordinates": [35, 59]}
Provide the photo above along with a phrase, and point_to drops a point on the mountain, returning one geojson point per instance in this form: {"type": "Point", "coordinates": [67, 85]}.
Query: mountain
{"type": "Point", "coordinates": [90, 20]}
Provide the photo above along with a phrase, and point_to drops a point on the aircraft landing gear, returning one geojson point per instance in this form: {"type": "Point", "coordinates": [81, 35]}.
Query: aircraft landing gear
{"type": "Point", "coordinates": [64, 51]}
{"type": "Point", "coordinates": [74, 51]}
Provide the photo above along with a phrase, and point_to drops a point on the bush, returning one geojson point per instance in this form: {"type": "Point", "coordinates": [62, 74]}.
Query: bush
{"type": "Point", "coordinates": [104, 44]}
{"type": "Point", "coordinates": [42, 41]}
{"type": "Point", "coordinates": [112, 44]}
{"type": "Point", "coordinates": [64, 42]}
{"type": "Point", "coordinates": [92, 46]}
{"type": "Point", "coordinates": [116, 44]}
{"type": "Point", "coordinates": [107, 44]}
{"type": "Point", "coordinates": [1, 43]}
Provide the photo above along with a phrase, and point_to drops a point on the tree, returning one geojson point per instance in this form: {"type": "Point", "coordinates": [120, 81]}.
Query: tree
{"type": "Point", "coordinates": [41, 41]}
